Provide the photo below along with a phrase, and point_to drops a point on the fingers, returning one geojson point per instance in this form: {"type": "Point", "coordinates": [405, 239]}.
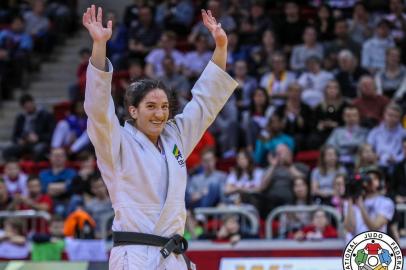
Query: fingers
{"type": "Point", "coordinates": [93, 13]}
{"type": "Point", "coordinates": [86, 17]}
{"type": "Point", "coordinates": [99, 15]}
{"type": "Point", "coordinates": [212, 19]}
{"type": "Point", "coordinates": [110, 24]}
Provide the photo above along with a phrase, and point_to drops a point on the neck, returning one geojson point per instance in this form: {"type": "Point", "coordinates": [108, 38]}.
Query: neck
{"type": "Point", "coordinates": [393, 67]}
{"type": "Point", "coordinates": [57, 169]}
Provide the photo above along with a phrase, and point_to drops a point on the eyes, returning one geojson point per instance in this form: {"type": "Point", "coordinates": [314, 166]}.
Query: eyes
{"type": "Point", "coordinates": [151, 106]}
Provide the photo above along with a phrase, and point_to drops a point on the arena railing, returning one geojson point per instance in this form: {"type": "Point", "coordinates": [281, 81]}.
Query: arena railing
{"type": "Point", "coordinates": [247, 214]}
{"type": "Point", "coordinates": [30, 217]}
{"type": "Point", "coordinates": [300, 209]}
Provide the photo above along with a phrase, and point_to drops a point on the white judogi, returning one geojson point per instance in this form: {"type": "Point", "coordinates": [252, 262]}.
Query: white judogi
{"type": "Point", "coordinates": [131, 165]}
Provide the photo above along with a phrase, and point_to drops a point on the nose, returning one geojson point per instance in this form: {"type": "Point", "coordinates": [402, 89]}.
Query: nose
{"type": "Point", "coordinates": [160, 114]}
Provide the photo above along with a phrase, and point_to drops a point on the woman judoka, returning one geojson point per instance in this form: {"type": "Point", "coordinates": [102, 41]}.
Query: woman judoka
{"type": "Point", "coordinates": [143, 163]}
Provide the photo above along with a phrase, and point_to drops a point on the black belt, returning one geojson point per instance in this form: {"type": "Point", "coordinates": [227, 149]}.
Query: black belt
{"type": "Point", "coordinates": [176, 244]}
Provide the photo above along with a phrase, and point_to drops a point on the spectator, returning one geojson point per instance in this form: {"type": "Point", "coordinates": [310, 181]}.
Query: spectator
{"type": "Point", "coordinates": [297, 116]}
{"type": "Point", "coordinates": [197, 59]}
{"type": "Point", "coordinates": [5, 199]}
{"type": "Point", "coordinates": [270, 139]}
{"type": "Point", "coordinates": [99, 206]}
{"type": "Point", "coordinates": [276, 81]}
{"type": "Point", "coordinates": [373, 50]}
{"type": "Point", "coordinates": [131, 12]}
{"type": "Point", "coordinates": [172, 79]}
{"type": "Point", "coordinates": [337, 200]}
{"type": "Point", "coordinates": [175, 15]}
{"type": "Point", "coordinates": [324, 23]}
{"type": "Point", "coordinates": [155, 58]}
{"type": "Point", "coordinates": [76, 91]}
{"type": "Point", "coordinates": [314, 81]}
{"type": "Point", "coordinates": [323, 175]}
{"type": "Point", "coordinates": [397, 18]}
{"type": "Point", "coordinates": [87, 170]}
{"type": "Point", "coordinates": [236, 51]}
{"type": "Point", "coordinates": [227, 23]}
{"type": "Point", "coordinates": [254, 24]}
{"type": "Point", "coordinates": [243, 179]}
{"type": "Point", "coordinates": [347, 138]}
{"type": "Point", "coordinates": [328, 114]}
{"type": "Point", "coordinates": [14, 232]}
{"type": "Point", "coordinates": [255, 119]}
{"type": "Point", "coordinates": [35, 199]}
{"type": "Point", "coordinates": [291, 27]}
{"type": "Point", "coordinates": [309, 48]}
{"type": "Point", "coordinates": [205, 189]}
{"type": "Point", "coordinates": [143, 33]}
{"type": "Point", "coordinates": [342, 41]}
{"type": "Point", "coordinates": [276, 189]}
{"type": "Point", "coordinates": [349, 73]}
{"type": "Point", "coordinates": [366, 157]}
{"type": "Point", "coordinates": [260, 55]}
{"type": "Point", "coordinates": [32, 131]}
{"type": "Point", "coordinates": [194, 161]}
{"type": "Point", "coordinates": [117, 45]}
{"type": "Point", "coordinates": [292, 222]}
{"type": "Point", "coordinates": [371, 212]}
{"type": "Point", "coordinates": [362, 23]}
{"type": "Point", "coordinates": [246, 84]}
{"type": "Point", "coordinates": [391, 81]}
{"type": "Point", "coordinates": [318, 229]}
{"type": "Point", "coordinates": [15, 179]}
{"type": "Point", "coordinates": [370, 104]}
{"type": "Point", "coordinates": [57, 180]}
{"type": "Point", "coordinates": [386, 139]}
{"type": "Point", "coordinates": [70, 133]}
{"type": "Point", "coordinates": [397, 184]}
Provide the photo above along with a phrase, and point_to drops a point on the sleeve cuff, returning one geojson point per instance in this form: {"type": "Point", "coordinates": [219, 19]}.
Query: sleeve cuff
{"type": "Point", "coordinates": [215, 72]}
{"type": "Point", "coordinates": [108, 65]}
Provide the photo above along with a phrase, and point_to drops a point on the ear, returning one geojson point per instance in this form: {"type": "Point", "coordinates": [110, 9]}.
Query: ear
{"type": "Point", "coordinates": [133, 112]}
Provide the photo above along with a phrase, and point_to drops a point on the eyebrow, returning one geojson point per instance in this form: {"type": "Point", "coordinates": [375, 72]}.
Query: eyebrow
{"type": "Point", "coordinates": [154, 103]}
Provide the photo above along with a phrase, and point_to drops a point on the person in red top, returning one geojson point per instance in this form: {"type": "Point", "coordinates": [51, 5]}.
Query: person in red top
{"type": "Point", "coordinates": [370, 104]}
{"type": "Point", "coordinates": [194, 160]}
{"type": "Point", "coordinates": [318, 229]}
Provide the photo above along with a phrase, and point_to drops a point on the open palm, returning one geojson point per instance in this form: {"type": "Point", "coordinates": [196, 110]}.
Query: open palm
{"type": "Point", "coordinates": [215, 28]}
{"type": "Point", "coordinates": [93, 23]}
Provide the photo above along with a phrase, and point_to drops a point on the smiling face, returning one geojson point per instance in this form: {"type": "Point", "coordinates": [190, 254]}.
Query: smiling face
{"type": "Point", "coordinates": [151, 114]}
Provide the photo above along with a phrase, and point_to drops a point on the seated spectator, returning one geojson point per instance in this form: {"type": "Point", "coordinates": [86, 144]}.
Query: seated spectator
{"type": "Point", "coordinates": [243, 179]}
{"type": "Point", "coordinates": [349, 73]}
{"type": "Point", "coordinates": [227, 23]}
{"type": "Point", "coordinates": [318, 229]}
{"type": "Point", "coordinates": [276, 189]}
{"type": "Point", "coordinates": [205, 189]}
{"type": "Point", "coordinates": [80, 225]}
{"type": "Point", "coordinates": [32, 131]}
{"type": "Point", "coordinates": [396, 18]}
{"type": "Point", "coordinates": [257, 21]}
{"type": "Point", "coordinates": [366, 157]}
{"type": "Point", "coordinates": [99, 206]}
{"type": "Point", "coordinates": [35, 199]}
{"type": "Point", "coordinates": [255, 119]}
{"type": "Point", "coordinates": [270, 139]}
{"type": "Point", "coordinates": [347, 138]}
{"type": "Point", "coordinates": [38, 26]}
{"type": "Point", "coordinates": [175, 15]}
{"type": "Point", "coordinates": [5, 199]}
{"type": "Point", "coordinates": [15, 179]}
{"type": "Point", "coordinates": [297, 116]}
{"type": "Point", "coordinates": [309, 48]}
{"type": "Point", "coordinates": [117, 45]}
{"type": "Point", "coordinates": [143, 33]}
{"type": "Point", "coordinates": [314, 81]}
{"type": "Point", "coordinates": [292, 222]}
{"type": "Point", "coordinates": [197, 59]}
{"type": "Point", "coordinates": [386, 139]}
{"type": "Point", "coordinates": [391, 81]}
{"type": "Point", "coordinates": [76, 91]}
{"type": "Point", "coordinates": [70, 133]}
{"type": "Point", "coordinates": [342, 41]}
{"type": "Point", "coordinates": [371, 212]}
{"type": "Point", "coordinates": [14, 232]}
{"type": "Point", "coordinates": [246, 84]}
{"type": "Point", "coordinates": [277, 81]}
{"type": "Point", "coordinates": [87, 170]}
{"type": "Point", "coordinates": [194, 161]}
{"type": "Point", "coordinates": [154, 59]}
{"type": "Point", "coordinates": [173, 79]}
{"type": "Point", "coordinates": [15, 48]}
{"type": "Point", "coordinates": [361, 24]}
{"type": "Point", "coordinates": [131, 13]}
{"type": "Point", "coordinates": [370, 104]}
{"type": "Point", "coordinates": [373, 50]}
{"type": "Point", "coordinates": [260, 56]}
{"type": "Point", "coordinates": [337, 200]}
{"type": "Point", "coordinates": [327, 115]}
{"type": "Point", "coordinates": [57, 180]}
{"type": "Point", "coordinates": [324, 23]}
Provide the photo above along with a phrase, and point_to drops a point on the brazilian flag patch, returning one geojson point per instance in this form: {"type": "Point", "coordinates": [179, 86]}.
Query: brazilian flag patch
{"type": "Point", "coordinates": [178, 155]}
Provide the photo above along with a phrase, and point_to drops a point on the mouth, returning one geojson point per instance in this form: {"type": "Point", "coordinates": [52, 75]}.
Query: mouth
{"type": "Point", "coordinates": [157, 123]}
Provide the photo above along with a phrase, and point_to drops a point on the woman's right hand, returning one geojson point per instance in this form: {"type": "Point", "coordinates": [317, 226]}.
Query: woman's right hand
{"type": "Point", "coordinates": [93, 23]}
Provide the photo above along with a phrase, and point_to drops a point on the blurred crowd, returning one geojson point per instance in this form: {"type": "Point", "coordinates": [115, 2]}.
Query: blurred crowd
{"type": "Point", "coordinates": [319, 113]}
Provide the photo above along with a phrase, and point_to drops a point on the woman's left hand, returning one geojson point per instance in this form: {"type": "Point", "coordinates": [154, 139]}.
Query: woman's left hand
{"type": "Point", "coordinates": [215, 28]}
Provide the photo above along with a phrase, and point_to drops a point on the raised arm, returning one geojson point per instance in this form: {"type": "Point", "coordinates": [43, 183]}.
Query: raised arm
{"type": "Point", "coordinates": [103, 126]}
